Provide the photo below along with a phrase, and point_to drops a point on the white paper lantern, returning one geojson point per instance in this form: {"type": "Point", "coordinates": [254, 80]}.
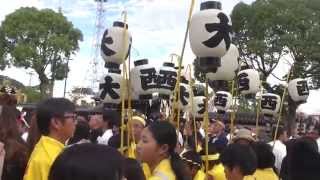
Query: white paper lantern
{"type": "Point", "coordinates": [229, 66]}
{"type": "Point", "coordinates": [248, 81]}
{"type": "Point", "coordinates": [184, 100]}
{"type": "Point", "coordinates": [198, 108]}
{"type": "Point", "coordinates": [270, 104]}
{"type": "Point", "coordinates": [116, 44]}
{"type": "Point", "coordinates": [167, 79]}
{"type": "Point", "coordinates": [109, 87]}
{"type": "Point", "coordinates": [144, 79]}
{"type": "Point", "coordinates": [210, 33]}
{"type": "Point", "coordinates": [222, 101]}
{"type": "Point", "coordinates": [298, 90]}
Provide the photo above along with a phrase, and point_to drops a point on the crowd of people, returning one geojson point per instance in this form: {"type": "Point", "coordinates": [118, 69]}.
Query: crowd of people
{"type": "Point", "coordinates": [62, 145]}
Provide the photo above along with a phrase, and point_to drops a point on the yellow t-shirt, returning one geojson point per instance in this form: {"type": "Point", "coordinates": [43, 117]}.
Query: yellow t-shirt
{"type": "Point", "coordinates": [263, 174]}
{"type": "Point", "coordinates": [132, 151]}
{"type": "Point", "coordinates": [200, 175]}
{"type": "Point", "coordinates": [217, 172]}
{"type": "Point", "coordinates": [163, 171]}
{"type": "Point", "coordinates": [42, 157]}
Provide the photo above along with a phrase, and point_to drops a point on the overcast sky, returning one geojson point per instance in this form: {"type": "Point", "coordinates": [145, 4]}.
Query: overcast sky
{"type": "Point", "coordinates": [157, 27]}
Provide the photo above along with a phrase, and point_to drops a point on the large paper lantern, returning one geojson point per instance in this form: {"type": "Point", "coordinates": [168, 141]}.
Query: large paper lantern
{"type": "Point", "coordinates": [116, 43]}
{"type": "Point", "coordinates": [198, 108]}
{"type": "Point", "coordinates": [270, 104]}
{"type": "Point", "coordinates": [229, 66]}
{"type": "Point", "coordinates": [184, 99]}
{"type": "Point", "coordinates": [298, 90]}
{"type": "Point", "coordinates": [167, 79]}
{"type": "Point", "coordinates": [144, 79]}
{"type": "Point", "coordinates": [222, 101]}
{"type": "Point", "coordinates": [109, 87]}
{"type": "Point", "coordinates": [210, 34]}
{"type": "Point", "coordinates": [248, 81]}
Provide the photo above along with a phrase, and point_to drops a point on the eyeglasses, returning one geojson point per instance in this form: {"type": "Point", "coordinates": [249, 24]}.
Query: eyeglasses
{"type": "Point", "coordinates": [73, 116]}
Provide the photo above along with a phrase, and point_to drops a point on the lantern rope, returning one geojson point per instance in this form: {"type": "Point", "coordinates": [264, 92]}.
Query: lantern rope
{"type": "Point", "coordinates": [191, 83]}
{"type": "Point", "coordinates": [206, 121]}
{"type": "Point", "coordinates": [281, 106]}
{"type": "Point", "coordinates": [123, 87]}
{"type": "Point", "coordinates": [180, 60]}
{"type": "Point", "coordinates": [234, 104]}
{"type": "Point", "coordinates": [258, 111]}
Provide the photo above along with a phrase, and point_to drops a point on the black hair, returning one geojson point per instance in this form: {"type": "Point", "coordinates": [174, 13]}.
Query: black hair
{"type": "Point", "coordinates": [304, 160]}
{"type": "Point", "coordinates": [164, 133]}
{"type": "Point", "coordinates": [242, 156]}
{"type": "Point", "coordinates": [82, 132]}
{"type": "Point", "coordinates": [192, 158]}
{"type": "Point", "coordinates": [264, 155]}
{"type": "Point", "coordinates": [87, 161]}
{"type": "Point", "coordinates": [115, 141]}
{"type": "Point", "coordinates": [212, 149]}
{"type": "Point", "coordinates": [49, 108]}
{"type": "Point", "coordinates": [280, 131]}
{"type": "Point", "coordinates": [112, 117]}
{"type": "Point", "coordinates": [133, 170]}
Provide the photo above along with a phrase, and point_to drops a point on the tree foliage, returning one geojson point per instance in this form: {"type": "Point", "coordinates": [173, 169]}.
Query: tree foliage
{"type": "Point", "coordinates": [42, 40]}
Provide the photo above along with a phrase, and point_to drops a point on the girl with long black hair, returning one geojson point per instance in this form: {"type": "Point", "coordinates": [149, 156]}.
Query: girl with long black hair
{"type": "Point", "coordinates": [157, 148]}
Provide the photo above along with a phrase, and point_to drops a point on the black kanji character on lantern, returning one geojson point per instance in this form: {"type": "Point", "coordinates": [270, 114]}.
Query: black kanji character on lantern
{"type": "Point", "coordinates": [302, 87]}
{"type": "Point", "coordinates": [104, 44]}
{"type": "Point", "coordinates": [167, 79]}
{"type": "Point", "coordinates": [184, 95]}
{"type": "Point", "coordinates": [148, 78]}
{"type": "Point", "coordinates": [243, 82]}
{"type": "Point", "coordinates": [223, 30]}
{"type": "Point", "coordinates": [269, 102]}
{"type": "Point", "coordinates": [220, 100]}
{"type": "Point", "coordinates": [202, 107]}
{"type": "Point", "coordinates": [108, 88]}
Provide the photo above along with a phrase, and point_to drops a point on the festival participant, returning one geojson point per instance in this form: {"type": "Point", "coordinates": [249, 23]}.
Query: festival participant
{"type": "Point", "coordinates": [88, 161]}
{"type": "Point", "coordinates": [265, 163]}
{"type": "Point", "coordinates": [81, 134]}
{"type": "Point", "coordinates": [14, 150]}
{"type": "Point", "coordinates": [133, 170]}
{"type": "Point", "coordinates": [157, 148]}
{"type": "Point", "coordinates": [137, 123]}
{"type": "Point", "coordinates": [243, 136]}
{"type": "Point", "coordinates": [279, 148]}
{"type": "Point", "coordinates": [193, 163]}
{"type": "Point", "coordinates": [239, 161]}
{"type": "Point", "coordinates": [95, 123]}
{"type": "Point", "coordinates": [218, 136]}
{"type": "Point", "coordinates": [216, 169]}
{"type": "Point", "coordinates": [110, 117]}
{"type": "Point", "coordinates": [304, 160]}
{"type": "Point", "coordinates": [56, 123]}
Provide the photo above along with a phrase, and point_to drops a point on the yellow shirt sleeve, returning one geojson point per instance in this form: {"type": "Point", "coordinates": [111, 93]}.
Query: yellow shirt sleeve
{"type": "Point", "coordinates": [37, 170]}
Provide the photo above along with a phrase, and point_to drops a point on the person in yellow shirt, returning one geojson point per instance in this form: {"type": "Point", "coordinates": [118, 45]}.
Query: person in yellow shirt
{"type": "Point", "coordinates": [216, 169]}
{"type": "Point", "coordinates": [266, 161]}
{"type": "Point", "coordinates": [239, 160]}
{"type": "Point", "coordinates": [156, 148]}
{"type": "Point", "coordinates": [56, 123]}
{"type": "Point", "coordinates": [137, 124]}
{"type": "Point", "coordinates": [193, 163]}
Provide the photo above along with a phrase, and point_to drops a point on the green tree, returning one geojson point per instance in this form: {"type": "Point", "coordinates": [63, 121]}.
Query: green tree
{"type": "Point", "coordinates": [42, 40]}
{"type": "Point", "coordinates": [268, 30]}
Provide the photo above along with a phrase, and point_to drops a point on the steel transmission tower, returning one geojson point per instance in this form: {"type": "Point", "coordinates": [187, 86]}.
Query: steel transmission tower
{"type": "Point", "coordinates": [96, 62]}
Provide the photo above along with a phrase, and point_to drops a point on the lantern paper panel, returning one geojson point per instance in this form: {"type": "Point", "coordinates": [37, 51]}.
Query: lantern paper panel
{"type": "Point", "coordinates": [210, 31]}
{"type": "Point", "coordinates": [116, 44]}
{"type": "Point", "coordinates": [248, 81]}
{"type": "Point", "coordinates": [167, 79]}
{"type": "Point", "coordinates": [144, 79]}
{"type": "Point", "coordinates": [184, 99]}
{"type": "Point", "coordinates": [270, 104]}
{"type": "Point", "coordinates": [222, 101]}
{"type": "Point", "coordinates": [109, 87]}
{"type": "Point", "coordinates": [298, 90]}
{"type": "Point", "coordinates": [229, 66]}
{"type": "Point", "coordinates": [199, 107]}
